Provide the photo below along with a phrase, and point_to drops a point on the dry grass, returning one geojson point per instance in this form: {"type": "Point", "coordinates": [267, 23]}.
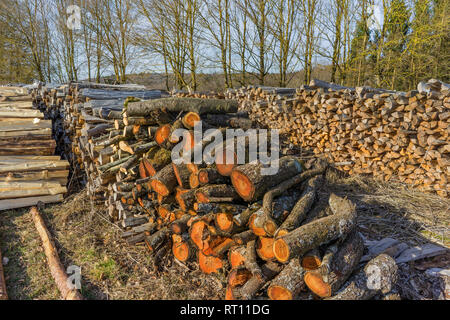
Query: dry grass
{"type": "Point", "coordinates": [113, 270]}
{"type": "Point", "coordinates": [27, 274]}
{"type": "Point", "coordinates": [394, 209]}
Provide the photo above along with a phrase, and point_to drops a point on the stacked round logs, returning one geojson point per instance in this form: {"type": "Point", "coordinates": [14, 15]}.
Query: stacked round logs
{"type": "Point", "coordinates": [268, 233]}
{"type": "Point", "coordinates": [83, 114]}
{"type": "Point", "coordinates": [391, 135]}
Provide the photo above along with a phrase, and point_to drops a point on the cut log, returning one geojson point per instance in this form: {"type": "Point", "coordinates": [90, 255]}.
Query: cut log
{"type": "Point", "coordinates": [343, 264]}
{"type": "Point", "coordinates": [182, 248]}
{"type": "Point", "coordinates": [311, 260]}
{"type": "Point", "coordinates": [317, 232]}
{"type": "Point", "coordinates": [165, 181]}
{"type": "Point", "coordinates": [222, 192]}
{"type": "Point", "coordinates": [209, 263]}
{"type": "Point", "coordinates": [288, 283]}
{"type": "Point", "coordinates": [301, 208]}
{"type": "Point", "coordinates": [251, 184]}
{"type": "Point", "coordinates": [264, 248]}
{"type": "Point", "coordinates": [56, 268]}
{"type": "Point", "coordinates": [266, 220]}
{"type": "Point", "coordinates": [176, 105]}
{"type": "Point", "coordinates": [252, 286]}
{"type": "Point", "coordinates": [378, 277]}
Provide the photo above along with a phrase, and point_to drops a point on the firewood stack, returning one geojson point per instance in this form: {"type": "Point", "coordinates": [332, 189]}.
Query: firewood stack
{"type": "Point", "coordinates": [394, 136]}
{"type": "Point", "coordinates": [197, 94]}
{"type": "Point", "coordinates": [224, 217]}
{"type": "Point", "coordinates": [83, 114]}
{"type": "Point", "coordinates": [29, 171]}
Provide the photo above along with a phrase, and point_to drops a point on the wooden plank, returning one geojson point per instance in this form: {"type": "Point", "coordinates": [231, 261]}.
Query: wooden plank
{"type": "Point", "coordinates": [16, 105]}
{"type": "Point", "coordinates": [22, 158]}
{"type": "Point", "coordinates": [30, 133]}
{"type": "Point", "coordinates": [421, 252]}
{"type": "Point", "coordinates": [25, 125]}
{"type": "Point", "coordinates": [28, 202]}
{"type": "Point", "coordinates": [9, 186]}
{"type": "Point", "coordinates": [18, 113]}
{"type": "Point", "coordinates": [33, 166]}
{"type": "Point", "coordinates": [33, 192]}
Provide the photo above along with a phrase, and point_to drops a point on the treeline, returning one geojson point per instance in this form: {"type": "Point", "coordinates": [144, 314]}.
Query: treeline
{"type": "Point", "coordinates": [385, 43]}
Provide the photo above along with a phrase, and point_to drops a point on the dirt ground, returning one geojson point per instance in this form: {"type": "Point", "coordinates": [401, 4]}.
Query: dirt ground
{"type": "Point", "coordinates": [111, 269]}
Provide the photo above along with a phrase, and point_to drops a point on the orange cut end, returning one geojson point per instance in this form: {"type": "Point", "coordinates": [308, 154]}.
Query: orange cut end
{"type": "Point", "coordinates": [244, 187]}
{"type": "Point", "coordinates": [229, 293]}
{"type": "Point", "coordinates": [224, 221]}
{"type": "Point", "coordinates": [197, 233]}
{"type": "Point", "coordinates": [201, 198]}
{"type": "Point", "coordinates": [160, 188]}
{"type": "Point", "coordinates": [189, 141]}
{"type": "Point", "coordinates": [142, 172]}
{"type": "Point", "coordinates": [191, 118]}
{"type": "Point", "coordinates": [238, 277]}
{"type": "Point", "coordinates": [279, 293]}
{"type": "Point", "coordinates": [162, 134]}
{"type": "Point", "coordinates": [223, 164]}
{"type": "Point", "coordinates": [203, 177]}
{"type": "Point", "coordinates": [209, 264]}
{"type": "Point", "coordinates": [311, 263]}
{"type": "Point", "coordinates": [181, 251]}
{"type": "Point", "coordinates": [270, 228]}
{"type": "Point", "coordinates": [281, 250]}
{"type": "Point", "coordinates": [264, 248]}
{"type": "Point", "coordinates": [236, 259]}
{"type": "Point", "coordinates": [316, 284]}
{"type": "Point", "coordinates": [193, 181]}
{"type": "Point", "coordinates": [257, 231]}
{"type": "Point", "coordinates": [282, 232]}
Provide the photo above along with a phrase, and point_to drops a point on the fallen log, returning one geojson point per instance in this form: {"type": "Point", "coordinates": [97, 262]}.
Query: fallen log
{"type": "Point", "coordinates": [56, 268]}
{"type": "Point", "coordinates": [3, 293]}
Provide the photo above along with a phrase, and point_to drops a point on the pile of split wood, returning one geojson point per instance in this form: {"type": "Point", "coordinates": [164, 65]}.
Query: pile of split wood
{"type": "Point", "coordinates": [264, 231]}
{"type": "Point", "coordinates": [28, 170]}
{"type": "Point", "coordinates": [392, 135]}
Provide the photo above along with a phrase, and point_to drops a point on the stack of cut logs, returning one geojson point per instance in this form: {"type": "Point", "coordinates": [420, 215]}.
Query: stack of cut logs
{"type": "Point", "coordinates": [29, 172]}
{"type": "Point", "coordinates": [83, 113]}
{"type": "Point", "coordinates": [392, 135]}
{"type": "Point", "coordinates": [260, 229]}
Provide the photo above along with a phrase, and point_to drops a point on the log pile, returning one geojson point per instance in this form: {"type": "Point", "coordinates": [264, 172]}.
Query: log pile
{"type": "Point", "coordinates": [29, 171]}
{"type": "Point", "coordinates": [266, 232]}
{"type": "Point", "coordinates": [394, 136]}
{"type": "Point", "coordinates": [84, 114]}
